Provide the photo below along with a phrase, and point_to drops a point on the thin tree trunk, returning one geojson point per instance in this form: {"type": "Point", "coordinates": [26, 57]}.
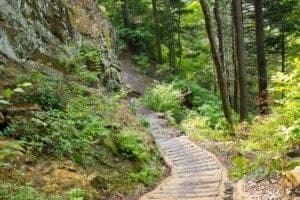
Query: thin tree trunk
{"type": "Point", "coordinates": [217, 61]}
{"type": "Point", "coordinates": [282, 48]}
{"type": "Point", "coordinates": [221, 44]}
{"type": "Point", "coordinates": [282, 51]}
{"type": "Point", "coordinates": [261, 59]}
{"type": "Point", "coordinates": [157, 32]}
{"type": "Point", "coordinates": [179, 38]}
{"type": "Point", "coordinates": [240, 53]}
{"type": "Point", "coordinates": [172, 53]}
{"type": "Point", "coordinates": [220, 32]}
{"type": "Point", "coordinates": [127, 23]}
{"type": "Point", "coordinates": [235, 67]}
{"type": "Point", "coordinates": [125, 15]}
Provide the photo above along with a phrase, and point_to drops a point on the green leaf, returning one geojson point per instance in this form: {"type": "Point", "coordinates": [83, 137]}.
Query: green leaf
{"type": "Point", "coordinates": [26, 85]}
{"type": "Point", "coordinates": [19, 90]}
{"type": "Point", "coordinates": [4, 102]}
{"type": "Point", "coordinates": [8, 92]}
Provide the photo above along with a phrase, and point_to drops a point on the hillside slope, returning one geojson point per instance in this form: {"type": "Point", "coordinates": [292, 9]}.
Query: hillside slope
{"type": "Point", "coordinates": [66, 129]}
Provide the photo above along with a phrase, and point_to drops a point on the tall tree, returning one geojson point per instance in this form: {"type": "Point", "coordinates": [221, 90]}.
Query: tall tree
{"type": "Point", "coordinates": [261, 59]}
{"type": "Point", "coordinates": [220, 32]}
{"type": "Point", "coordinates": [217, 60]}
{"type": "Point", "coordinates": [157, 31]}
{"type": "Point", "coordinates": [171, 35]}
{"type": "Point", "coordinates": [240, 56]}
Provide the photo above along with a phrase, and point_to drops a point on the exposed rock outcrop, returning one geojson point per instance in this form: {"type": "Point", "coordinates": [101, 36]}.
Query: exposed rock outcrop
{"type": "Point", "coordinates": [31, 31]}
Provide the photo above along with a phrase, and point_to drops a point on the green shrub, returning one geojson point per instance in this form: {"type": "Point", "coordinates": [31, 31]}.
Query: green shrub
{"type": "Point", "coordinates": [74, 56]}
{"type": "Point", "coordinates": [131, 145]}
{"type": "Point", "coordinates": [48, 92]}
{"type": "Point", "coordinates": [9, 191]}
{"type": "Point", "coordinates": [198, 128]}
{"type": "Point", "coordinates": [275, 135]}
{"type": "Point", "coordinates": [51, 134]}
{"type": "Point", "coordinates": [90, 78]}
{"type": "Point", "coordinates": [146, 175]}
{"type": "Point", "coordinates": [145, 123]}
{"type": "Point", "coordinates": [76, 194]}
{"type": "Point", "coordinates": [163, 98]}
{"type": "Point", "coordinates": [143, 61]}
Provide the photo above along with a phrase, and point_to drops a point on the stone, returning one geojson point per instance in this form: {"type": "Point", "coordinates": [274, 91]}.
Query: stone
{"type": "Point", "coordinates": [97, 181]}
{"type": "Point", "coordinates": [32, 30]}
{"type": "Point", "coordinates": [21, 108]}
{"type": "Point", "coordinates": [291, 179]}
{"type": "Point", "coordinates": [239, 191]}
{"type": "Point", "coordinates": [38, 181]}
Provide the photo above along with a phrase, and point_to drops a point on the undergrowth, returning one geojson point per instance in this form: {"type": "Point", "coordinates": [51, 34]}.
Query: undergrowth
{"type": "Point", "coordinates": [95, 130]}
{"type": "Point", "coordinates": [264, 150]}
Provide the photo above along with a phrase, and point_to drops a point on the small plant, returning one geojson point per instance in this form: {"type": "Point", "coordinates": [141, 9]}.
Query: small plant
{"type": "Point", "coordinates": [10, 191]}
{"type": "Point", "coordinates": [76, 194]}
{"type": "Point", "coordinates": [12, 94]}
{"type": "Point", "coordinates": [145, 123]}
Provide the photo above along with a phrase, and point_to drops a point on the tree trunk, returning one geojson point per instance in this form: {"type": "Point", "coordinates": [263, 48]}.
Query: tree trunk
{"type": "Point", "coordinates": [220, 32]}
{"type": "Point", "coordinates": [179, 38]}
{"type": "Point", "coordinates": [235, 68]}
{"type": "Point", "coordinates": [217, 61]}
{"type": "Point", "coordinates": [240, 56]}
{"type": "Point", "coordinates": [282, 47]}
{"type": "Point", "coordinates": [172, 52]}
{"type": "Point", "coordinates": [157, 32]}
{"type": "Point", "coordinates": [221, 44]}
{"type": "Point", "coordinates": [125, 15]}
{"type": "Point", "coordinates": [261, 59]}
{"type": "Point", "coordinates": [127, 24]}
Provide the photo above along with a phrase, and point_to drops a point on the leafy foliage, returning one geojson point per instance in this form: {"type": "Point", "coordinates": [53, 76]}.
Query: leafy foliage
{"type": "Point", "coordinates": [276, 135]}
{"type": "Point", "coordinates": [163, 98]}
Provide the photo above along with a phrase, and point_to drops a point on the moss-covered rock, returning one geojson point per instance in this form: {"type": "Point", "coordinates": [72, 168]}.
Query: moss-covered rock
{"type": "Point", "coordinates": [32, 30]}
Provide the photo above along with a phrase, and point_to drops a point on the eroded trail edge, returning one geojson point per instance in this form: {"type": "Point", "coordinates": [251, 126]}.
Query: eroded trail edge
{"type": "Point", "coordinates": [195, 172]}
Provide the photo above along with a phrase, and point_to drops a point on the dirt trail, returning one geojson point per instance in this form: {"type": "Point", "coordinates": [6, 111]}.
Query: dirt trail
{"type": "Point", "coordinates": [196, 174]}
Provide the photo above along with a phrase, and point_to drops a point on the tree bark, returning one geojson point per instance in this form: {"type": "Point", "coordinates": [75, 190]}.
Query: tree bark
{"type": "Point", "coordinates": [261, 59]}
{"type": "Point", "coordinates": [172, 52]}
{"type": "Point", "coordinates": [235, 68]}
{"type": "Point", "coordinates": [221, 44]}
{"type": "Point", "coordinates": [240, 56]}
{"type": "Point", "coordinates": [217, 61]}
{"type": "Point", "coordinates": [179, 38]}
{"type": "Point", "coordinates": [220, 32]}
{"type": "Point", "coordinates": [157, 32]}
{"type": "Point", "coordinates": [282, 47]}
{"type": "Point", "coordinates": [127, 24]}
{"type": "Point", "coordinates": [125, 15]}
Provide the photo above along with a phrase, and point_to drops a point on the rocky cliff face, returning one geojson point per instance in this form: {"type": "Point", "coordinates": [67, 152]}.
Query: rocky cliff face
{"type": "Point", "coordinates": [31, 31]}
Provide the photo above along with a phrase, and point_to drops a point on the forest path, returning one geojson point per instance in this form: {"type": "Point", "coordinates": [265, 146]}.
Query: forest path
{"type": "Point", "coordinates": [196, 174]}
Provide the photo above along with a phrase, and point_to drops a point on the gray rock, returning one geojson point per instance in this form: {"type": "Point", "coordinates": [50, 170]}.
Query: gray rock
{"type": "Point", "coordinates": [31, 31]}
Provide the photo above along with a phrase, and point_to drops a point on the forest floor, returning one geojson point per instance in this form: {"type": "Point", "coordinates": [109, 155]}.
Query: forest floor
{"type": "Point", "coordinates": [196, 173]}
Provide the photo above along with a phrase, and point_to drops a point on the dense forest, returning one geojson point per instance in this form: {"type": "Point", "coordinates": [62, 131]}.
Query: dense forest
{"type": "Point", "coordinates": [103, 99]}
